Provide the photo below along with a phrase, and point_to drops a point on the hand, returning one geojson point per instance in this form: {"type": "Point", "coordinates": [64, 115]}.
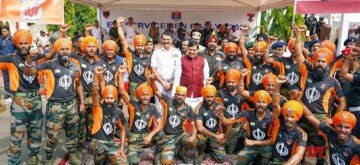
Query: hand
{"type": "Point", "coordinates": [327, 120]}
{"type": "Point", "coordinates": [244, 72]}
{"type": "Point", "coordinates": [119, 20]}
{"type": "Point", "coordinates": [147, 140]}
{"type": "Point", "coordinates": [281, 80]}
{"type": "Point", "coordinates": [219, 110]}
{"type": "Point", "coordinates": [302, 28]}
{"type": "Point", "coordinates": [64, 28]}
{"type": "Point", "coordinates": [152, 76]}
{"type": "Point", "coordinates": [219, 136]}
{"type": "Point", "coordinates": [244, 27]}
{"type": "Point", "coordinates": [190, 140]}
{"type": "Point", "coordinates": [167, 85]}
{"type": "Point", "coordinates": [248, 142]}
{"type": "Point", "coordinates": [88, 27]}
{"type": "Point", "coordinates": [295, 95]}
{"type": "Point", "coordinates": [209, 80]}
{"type": "Point", "coordinates": [82, 107]}
{"type": "Point", "coordinates": [99, 70]}
{"type": "Point", "coordinates": [122, 68]}
{"type": "Point", "coordinates": [122, 153]}
{"type": "Point", "coordinates": [222, 141]}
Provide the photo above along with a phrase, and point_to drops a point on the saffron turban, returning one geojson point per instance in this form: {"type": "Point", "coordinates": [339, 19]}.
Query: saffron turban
{"type": "Point", "coordinates": [87, 41]}
{"type": "Point", "coordinates": [233, 75]}
{"type": "Point", "coordinates": [344, 116]}
{"type": "Point", "coordinates": [260, 46]}
{"type": "Point", "coordinates": [211, 36]}
{"type": "Point", "coordinates": [208, 90]}
{"type": "Point", "coordinates": [109, 44]}
{"type": "Point", "coordinates": [143, 88]}
{"type": "Point", "coordinates": [294, 108]}
{"type": "Point", "coordinates": [261, 94]}
{"type": "Point", "coordinates": [291, 44]}
{"type": "Point", "coordinates": [21, 36]}
{"type": "Point", "coordinates": [323, 53]}
{"type": "Point", "coordinates": [329, 44]}
{"type": "Point", "coordinates": [59, 43]}
{"type": "Point", "coordinates": [181, 90]}
{"type": "Point", "coordinates": [109, 90]}
{"type": "Point", "coordinates": [230, 46]}
{"type": "Point", "coordinates": [268, 78]}
{"type": "Point", "coordinates": [140, 39]}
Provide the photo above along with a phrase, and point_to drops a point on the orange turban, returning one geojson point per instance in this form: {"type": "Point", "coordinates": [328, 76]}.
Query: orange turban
{"type": "Point", "coordinates": [233, 74]}
{"type": "Point", "coordinates": [22, 35]}
{"type": "Point", "coordinates": [323, 53]}
{"type": "Point", "coordinates": [260, 46]}
{"type": "Point", "coordinates": [143, 88]}
{"type": "Point", "coordinates": [261, 94]}
{"type": "Point", "coordinates": [140, 39]}
{"type": "Point", "coordinates": [230, 46]}
{"type": "Point", "coordinates": [87, 40]}
{"type": "Point", "coordinates": [181, 90]}
{"type": "Point", "coordinates": [291, 44]}
{"type": "Point", "coordinates": [330, 45]}
{"type": "Point", "coordinates": [109, 44]}
{"type": "Point", "coordinates": [208, 90]}
{"type": "Point", "coordinates": [294, 108]}
{"type": "Point", "coordinates": [59, 43]}
{"type": "Point", "coordinates": [109, 90]}
{"type": "Point", "coordinates": [268, 78]}
{"type": "Point", "coordinates": [344, 116]}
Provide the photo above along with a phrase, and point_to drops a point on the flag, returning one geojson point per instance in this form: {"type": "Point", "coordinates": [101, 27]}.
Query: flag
{"type": "Point", "coordinates": [33, 11]}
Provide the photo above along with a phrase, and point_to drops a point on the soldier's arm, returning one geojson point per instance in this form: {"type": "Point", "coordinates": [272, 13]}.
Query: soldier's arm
{"type": "Point", "coordinates": [297, 157]}
{"type": "Point", "coordinates": [158, 128]}
{"type": "Point", "coordinates": [200, 127]}
{"type": "Point", "coordinates": [266, 142]}
{"type": "Point", "coordinates": [243, 50]}
{"type": "Point", "coordinates": [310, 117]}
{"type": "Point", "coordinates": [299, 45]}
{"type": "Point", "coordinates": [276, 96]}
{"type": "Point", "coordinates": [153, 86]}
{"type": "Point", "coordinates": [122, 90]}
{"type": "Point", "coordinates": [344, 71]}
{"type": "Point", "coordinates": [80, 92]}
{"type": "Point", "coordinates": [95, 86]}
{"type": "Point", "coordinates": [121, 33]}
{"type": "Point", "coordinates": [241, 87]}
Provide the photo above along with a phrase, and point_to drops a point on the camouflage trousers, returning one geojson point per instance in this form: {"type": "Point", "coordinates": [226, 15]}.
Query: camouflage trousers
{"type": "Point", "coordinates": [106, 152]}
{"type": "Point", "coordinates": [85, 122]}
{"type": "Point", "coordinates": [249, 154]}
{"type": "Point", "coordinates": [316, 150]}
{"type": "Point", "coordinates": [26, 115]}
{"type": "Point", "coordinates": [61, 115]}
{"type": "Point", "coordinates": [170, 145]}
{"type": "Point", "coordinates": [236, 133]}
{"type": "Point", "coordinates": [218, 150]}
{"type": "Point", "coordinates": [136, 145]}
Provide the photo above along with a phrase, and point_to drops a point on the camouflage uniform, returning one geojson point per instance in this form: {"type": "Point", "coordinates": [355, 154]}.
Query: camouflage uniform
{"type": "Point", "coordinates": [106, 149]}
{"type": "Point", "coordinates": [61, 115]}
{"type": "Point", "coordinates": [237, 132]}
{"type": "Point", "coordinates": [218, 150]}
{"type": "Point", "coordinates": [26, 115]}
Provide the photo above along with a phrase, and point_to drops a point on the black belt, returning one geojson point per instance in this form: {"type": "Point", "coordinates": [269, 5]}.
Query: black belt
{"type": "Point", "coordinates": [64, 103]}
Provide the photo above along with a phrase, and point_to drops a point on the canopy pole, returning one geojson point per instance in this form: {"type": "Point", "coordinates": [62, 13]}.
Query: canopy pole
{"type": "Point", "coordinates": [293, 19]}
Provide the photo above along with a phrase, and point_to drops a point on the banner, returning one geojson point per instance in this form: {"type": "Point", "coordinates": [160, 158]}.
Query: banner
{"type": "Point", "coordinates": [33, 11]}
{"type": "Point", "coordinates": [327, 6]}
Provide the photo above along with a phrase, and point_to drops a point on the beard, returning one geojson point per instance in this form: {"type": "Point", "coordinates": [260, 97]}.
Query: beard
{"type": "Point", "coordinates": [64, 59]}
{"type": "Point", "coordinates": [230, 57]}
{"type": "Point", "coordinates": [319, 73]}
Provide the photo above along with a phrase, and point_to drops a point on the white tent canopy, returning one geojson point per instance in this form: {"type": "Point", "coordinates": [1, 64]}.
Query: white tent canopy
{"type": "Point", "coordinates": [205, 5]}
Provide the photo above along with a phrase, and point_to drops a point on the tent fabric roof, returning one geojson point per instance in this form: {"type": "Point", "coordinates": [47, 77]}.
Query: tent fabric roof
{"type": "Point", "coordinates": [201, 5]}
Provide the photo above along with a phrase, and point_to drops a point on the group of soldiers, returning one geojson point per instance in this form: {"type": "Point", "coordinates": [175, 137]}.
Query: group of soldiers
{"type": "Point", "coordinates": [263, 109]}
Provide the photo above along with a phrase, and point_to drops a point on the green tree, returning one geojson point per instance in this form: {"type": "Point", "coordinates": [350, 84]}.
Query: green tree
{"type": "Point", "coordinates": [278, 22]}
{"type": "Point", "coordinates": [76, 15]}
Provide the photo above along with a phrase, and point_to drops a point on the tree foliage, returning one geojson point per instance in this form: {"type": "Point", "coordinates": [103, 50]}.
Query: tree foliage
{"type": "Point", "coordinates": [76, 15]}
{"type": "Point", "coordinates": [278, 22]}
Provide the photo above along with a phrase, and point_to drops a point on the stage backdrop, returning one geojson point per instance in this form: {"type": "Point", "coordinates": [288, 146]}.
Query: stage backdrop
{"type": "Point", "coordinates": [143, 18]}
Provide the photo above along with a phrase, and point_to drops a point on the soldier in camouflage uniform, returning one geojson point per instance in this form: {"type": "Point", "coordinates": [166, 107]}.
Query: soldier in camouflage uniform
{"type": "Point", "coordinates": [209, 126]}
{"type": "Point", "coordinates": [106, 117]}
{"type": "Point", "coordinates": [145, 121]}
{"type": "Point", "coordinates": [232, 101]}
{"type": "Point", "coordinates": [174, 140]}
{"type": "Point", "coordinates": [63, 83]}
{"type": "Point", "coordinates": [26, 114]}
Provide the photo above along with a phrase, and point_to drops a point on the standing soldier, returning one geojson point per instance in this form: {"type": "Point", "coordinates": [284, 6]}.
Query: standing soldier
{"type": "Point", "coordinates": [26, 114]}
{"type": "Point", "coordinates": [106, 117]}
{"type": "Point", "coordinates": [209, 126]}
{"type": "Point", "coordinates": [142, 117]}
{"type": "Point", "coordinates": [63, 83]}
{"type": "Point", "coordinates": [110, 62]}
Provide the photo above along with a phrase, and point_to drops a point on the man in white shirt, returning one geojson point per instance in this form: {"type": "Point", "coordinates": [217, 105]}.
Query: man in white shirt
{"type": "Point", "coordinates": [98, 33]}
{"type": "Point", "coordinates": [163, 65]}
{"type": "Point", "coordinates": [42, 41]}
{"type": "Point", "coordinates": [130, 30]}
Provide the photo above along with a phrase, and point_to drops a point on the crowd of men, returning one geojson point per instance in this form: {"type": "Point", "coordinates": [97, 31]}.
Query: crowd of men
{"type": "Point", "coordinates": [262, 107]}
